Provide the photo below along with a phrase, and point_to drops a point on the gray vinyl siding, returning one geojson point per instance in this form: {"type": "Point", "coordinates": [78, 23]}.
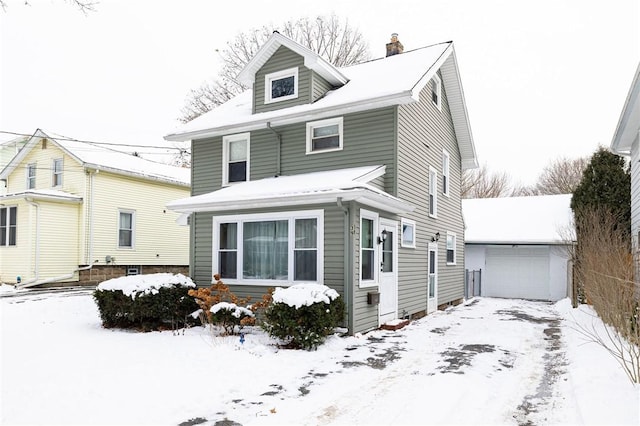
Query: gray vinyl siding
{"type": "Point", "coordinates": [333, 249]}
{"type": "Point", "coordinates": [319, 86]}
{"type": "Point", "coordinates": [423, 132]}
{"type": "Point", "coordinates": [281, 60]}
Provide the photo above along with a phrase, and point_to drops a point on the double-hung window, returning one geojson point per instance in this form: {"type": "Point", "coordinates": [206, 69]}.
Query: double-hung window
{"type": "Point", "coordinates": [269, 248]}
{"type": "Point", "coordinates": [368, 253]}
{"type": "Point", "coordinates": [8, 226]}
{"type": "Point", "coordinates": [56, 178]}
{"type": "Point", "coordinates": [126, 228]}
{"type": "Point", "coordinates": [436, 91]}
{"type": "Point", "coordinates": [324, 135]}
{"type": "Point", "coordinates": [445, 173]}
{"type": "Point", "coordinates": [433, 192]}
{"type": "Point", "coordinates": [31, 176]}
{"type": "Point", "coordinates": [451, 248]}
{"type": "Point", "coordinates": [235, 158]}
{"type": "Point", "coordinates": [281, 85]}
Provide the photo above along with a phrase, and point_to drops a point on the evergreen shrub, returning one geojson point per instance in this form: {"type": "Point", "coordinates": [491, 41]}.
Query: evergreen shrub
{"type": "Point", "coordinates": [303, 315]}
{"type": "Point", "coordinates": [152, 302]}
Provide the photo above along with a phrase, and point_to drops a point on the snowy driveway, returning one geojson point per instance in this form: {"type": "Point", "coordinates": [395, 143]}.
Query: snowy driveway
{"type": "Point", "coordinates": [490, 361]}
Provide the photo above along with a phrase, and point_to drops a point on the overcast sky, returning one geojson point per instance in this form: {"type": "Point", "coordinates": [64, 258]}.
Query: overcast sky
{"type": "Point", "coordinates": [542, 79]}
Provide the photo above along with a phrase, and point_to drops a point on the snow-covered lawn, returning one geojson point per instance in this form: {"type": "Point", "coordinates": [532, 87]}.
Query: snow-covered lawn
{"type": "Point", "coordinates": [489, 361]}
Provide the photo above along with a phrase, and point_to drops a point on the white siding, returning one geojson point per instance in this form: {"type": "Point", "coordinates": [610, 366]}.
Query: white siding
{"type": "Point", "coordinates": [635, 192]}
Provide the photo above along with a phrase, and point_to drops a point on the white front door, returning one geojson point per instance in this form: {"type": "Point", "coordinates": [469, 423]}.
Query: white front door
{"type": "Point", "coordinates": [432, 280]}
{"type": "Point", "coordinates": [388, 255]}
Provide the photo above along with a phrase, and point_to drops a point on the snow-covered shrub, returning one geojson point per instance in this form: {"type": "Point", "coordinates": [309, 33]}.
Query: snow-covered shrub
{"type": "Point", "coordinates": [303, 315]}
{"type": "Point", "coordinates": [145, 302]}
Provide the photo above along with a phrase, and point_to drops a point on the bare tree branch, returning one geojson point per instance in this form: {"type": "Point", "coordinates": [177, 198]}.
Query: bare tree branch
{"type": "Point", "coordinates": [84, 6]}
{"type": "Point", "coordinates": [562, 176]}
{"type": "Point", "coordinates": [330, 37]}
{"type": "Point", "coordinates": [480, 183]}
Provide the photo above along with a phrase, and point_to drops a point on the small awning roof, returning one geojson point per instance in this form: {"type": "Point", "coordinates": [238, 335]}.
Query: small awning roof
{"type": "Point", "coordinates": [43, 195]}
{"type": "Point", "coordinates": [303, 189]}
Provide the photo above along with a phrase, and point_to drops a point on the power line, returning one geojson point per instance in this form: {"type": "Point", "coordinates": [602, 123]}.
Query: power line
{"type": "Point", "coordinates": [64, 138]}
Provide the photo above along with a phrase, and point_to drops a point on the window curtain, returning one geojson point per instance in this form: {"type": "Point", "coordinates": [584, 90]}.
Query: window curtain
{"type": "Point", "coordinates": [265, 250]}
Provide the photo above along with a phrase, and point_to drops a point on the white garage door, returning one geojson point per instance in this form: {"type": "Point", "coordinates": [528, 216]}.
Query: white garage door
{"type": "Point", "coordinates": [517, 272]}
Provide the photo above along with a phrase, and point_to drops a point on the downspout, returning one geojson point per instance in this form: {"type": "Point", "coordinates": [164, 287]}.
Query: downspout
{"type": "Point", "coordinates": [348, 288]}
{"type": "Point", "coordinates": [278, 147]}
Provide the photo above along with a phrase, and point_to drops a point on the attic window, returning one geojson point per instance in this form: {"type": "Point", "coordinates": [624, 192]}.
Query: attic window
{"type": "Point", "coordinates": [281, 85]}
{"type": "Point", "coordinates": [436, 91]}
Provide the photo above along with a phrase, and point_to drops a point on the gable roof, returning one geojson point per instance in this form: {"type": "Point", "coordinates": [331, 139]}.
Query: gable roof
{"type": "Point", "coordinates": [311, 60]}
{"type": "Point", "coordinates": [394, 80]}
{"type": "Point", "coordinates": [544, 219]}
{"type": "Point", "coordinates": [309, 188]}
{"type": "Point", "coordinates": [629, 123]}
{"type": "Point", "coordinates": [98, 157]}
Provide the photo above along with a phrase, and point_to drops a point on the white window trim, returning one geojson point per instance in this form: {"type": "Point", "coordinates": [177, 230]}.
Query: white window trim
{"type": "Point", "coordinates": [29, 166]}
{"type": "Point", "coordinates": [433, 190]}
{"type": "Point", "coordinates": [438, 104]}
{"type": "Point", "coordinates": [412, 223]}
{"type": "Point", "coordinates": [133, 230]}
{"type": "Point", "coordinates": [277, 76]}
{"type": "Point", "coordinates": [446, 165]}
{"type": "Point", "coordinates": [53, 172]}
{"type": "Point", "coordinates": [290, 216]}
{"type": "Point", "coordinates": [367, 214]}
{"type": "Point", "coordinates": [323, 123]}
{"type": "Point", "coordinates": [226, 140]}
{"type": "Point", "coordinates": [455, 249]}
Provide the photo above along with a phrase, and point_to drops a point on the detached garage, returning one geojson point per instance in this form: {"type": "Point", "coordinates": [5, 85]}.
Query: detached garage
{"type": "Point", "coordinates": [520, 245]}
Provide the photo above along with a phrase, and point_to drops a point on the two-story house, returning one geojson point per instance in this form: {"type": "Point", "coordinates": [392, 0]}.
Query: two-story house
{"type": "Point", "coordinates": [79, 213]}
{"type": "Point", "coordinates": [348, 177]}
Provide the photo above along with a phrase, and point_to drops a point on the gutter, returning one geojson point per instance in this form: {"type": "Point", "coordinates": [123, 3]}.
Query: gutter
{"type": "Point", "coordinates": [404, 97]}
{"type": "Point", "coordinates": [348, 288]}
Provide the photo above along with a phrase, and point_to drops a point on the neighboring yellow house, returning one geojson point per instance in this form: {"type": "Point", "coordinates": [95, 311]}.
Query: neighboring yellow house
{"type": "Point", "coordinates": [79, 213]}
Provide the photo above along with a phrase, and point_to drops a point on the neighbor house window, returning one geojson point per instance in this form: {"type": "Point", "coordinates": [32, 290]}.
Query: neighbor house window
{"type": "Point", "coordinates": [451, 249]}
{"type": "Point", "coordinates": [270, 248]}
{"type": "Point", "coordinates": [445, 173]}
{"type": "Point", "coordinates": [433, 192]}
{"type": "Point", "coordinates": [408, 233]}
{"type": "Point", "coordinates": [436, 91]}
{"type": "Point", "coordinates": [8, 226]}
{"type": "Point", "coordinates": [325, 135]}
{"type": "Point", "coordinates": [126, 228]}
{"type": "Point", "coordinates": [57, 172]}
{"type": "Point", "coordinates": [281, 85]}
{"type": "Point", "coordinates": [31, 176]}
{"type": "Point", "coordinates": [235, 158]}
{"type": "Point", "coordinates": [368, 252]}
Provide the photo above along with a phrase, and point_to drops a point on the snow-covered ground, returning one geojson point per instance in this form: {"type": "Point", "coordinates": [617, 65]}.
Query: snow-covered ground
{"type": "Point", "coordinates": [489, 361]}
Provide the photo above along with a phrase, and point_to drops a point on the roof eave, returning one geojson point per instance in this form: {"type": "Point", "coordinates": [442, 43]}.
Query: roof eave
{"type": "Point", "coordinates": [628, 126]}
{"type": "Point", "coordinates": [363, 196]}
{"type": "Point", "coordinates": [31, 196]}
{"type": "Point", "coordinates": [399, 98]}
{"type": "Point", "coordinates": [168, 180]}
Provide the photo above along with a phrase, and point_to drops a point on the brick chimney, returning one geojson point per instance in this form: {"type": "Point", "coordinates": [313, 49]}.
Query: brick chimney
{"type": "Point", "coordinates": [395, 47]}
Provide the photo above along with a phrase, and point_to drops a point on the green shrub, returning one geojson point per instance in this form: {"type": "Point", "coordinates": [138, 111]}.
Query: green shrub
{"type": "Point", "coordinates": [229, 316]}
{"type": "Point", "coordinates": [152, 302]}
{"type": "Point", "coordinates": [303, 315]}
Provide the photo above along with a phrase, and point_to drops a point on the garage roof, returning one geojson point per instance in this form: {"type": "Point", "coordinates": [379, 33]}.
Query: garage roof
{"type": "Point", "coordinates": [544, 219]}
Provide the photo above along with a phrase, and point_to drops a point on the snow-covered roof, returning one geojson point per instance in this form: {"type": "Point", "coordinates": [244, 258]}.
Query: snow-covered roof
{"type": "Point", "coordinates": [629, 123]}
{"type": "Point", "coordinates": [393, 80]}
{"type": "Point", "coordinates": [44, 195]}
{"type": "Point", "coordinates": [544, 219]}
{"type": "Point", "coordinates": [309, 188]}
{"type": "Point", "coordinates": [99, 157]}
{"type": "Point", "coordinates": [311, 61]}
